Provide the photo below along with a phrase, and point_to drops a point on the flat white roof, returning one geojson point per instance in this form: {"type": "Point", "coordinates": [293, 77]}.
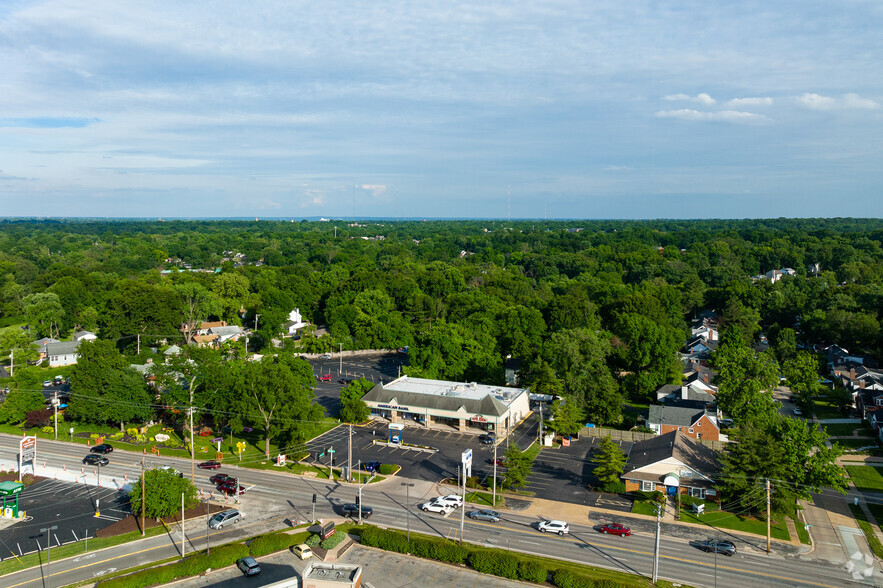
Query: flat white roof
{"type": "Point", "coordinates": [464, 390]}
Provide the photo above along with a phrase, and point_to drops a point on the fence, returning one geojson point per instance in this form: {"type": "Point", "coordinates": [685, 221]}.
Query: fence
{"type": "Point", "coordinates": [618, 435]}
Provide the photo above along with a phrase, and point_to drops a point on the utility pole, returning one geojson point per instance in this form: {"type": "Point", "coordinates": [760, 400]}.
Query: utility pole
{"type": "Point", "coordinates": [55, 406]}
{"type": "Point", "coordinates": [768, 515]}
{"type": "Point", "coordinates": [340, 359]}
{"type": "Point", "coordinates": [143, 483]}
{"type": "Point", "coordinates": [495, 475]}
{"type": "Point", "coordinates": [349, 459]}
{"type": "Point", "coordinates": [208, 547]}
{"type": "Point", "coordinates": [11, 362]}
{"type": "Point", "coordinates": [138, 338]}
{"type": "Point", "coordinates": [656, 550]}
{"type": "Point", "coordinates": [407, 486]}
{"type": "Point", "coordinates": [192, 447]}
{"type": "Point", "coordinates": [182, 523]}
{"type": "Point", "coordinates": [541, 422]}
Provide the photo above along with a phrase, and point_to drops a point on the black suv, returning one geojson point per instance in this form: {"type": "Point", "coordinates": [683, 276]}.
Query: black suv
{"type": "Point", "coordinates": [95, 460]}
{"type": "Point", "coordinates": [103, 448]}
{"type": "Point", "coordinates": [352, 510]}
{"type": "Point", "coordinates": [488, 439]}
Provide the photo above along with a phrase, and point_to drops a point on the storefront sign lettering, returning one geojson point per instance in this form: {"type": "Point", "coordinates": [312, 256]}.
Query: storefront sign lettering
{"type": "Point", "coordinates": [478, 419]}
{"type": "Point", "coordinates": [393, 407]}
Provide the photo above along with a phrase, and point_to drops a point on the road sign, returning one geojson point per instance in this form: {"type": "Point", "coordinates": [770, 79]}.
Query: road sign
{"type": "Point", "coordinates": [467, 463]}
{"type": "Point", "coordinates": [28, 448]}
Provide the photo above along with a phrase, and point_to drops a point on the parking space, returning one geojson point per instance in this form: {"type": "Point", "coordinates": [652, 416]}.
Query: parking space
{"type": "Point", "coordinates": [376, 367]}
{"type": "Point", "coordinates": [69, 506]}
{"type": "Point", "coordinates": [565, 474]}
{"type": "Point", "coordinates": [415, 463]}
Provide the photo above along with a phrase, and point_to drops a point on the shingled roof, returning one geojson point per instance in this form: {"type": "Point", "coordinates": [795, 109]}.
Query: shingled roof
{"type": "Point", "coordinates": [676, 444]}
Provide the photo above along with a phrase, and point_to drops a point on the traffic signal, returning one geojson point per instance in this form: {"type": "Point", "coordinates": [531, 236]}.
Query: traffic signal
{"type": "Point", "coordinates": [314, 499]}
{"type": "Point", "coordinates": [358, 500]}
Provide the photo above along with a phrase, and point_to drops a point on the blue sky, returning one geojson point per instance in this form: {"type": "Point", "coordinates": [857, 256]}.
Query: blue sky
{"type": "Point", "coordinates": [440, 109]}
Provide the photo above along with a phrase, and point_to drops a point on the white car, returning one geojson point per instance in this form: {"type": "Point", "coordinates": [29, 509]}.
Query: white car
{"type": "Point", "coordinates": [797, 411]}
{"type": "Point", "coordinates": [559, 527]}
{"type": "Point", "coordinates": [325, 356]}
{"type": "Point", "coordinates": [435, 507]}
{"type": "Point", "coordinates": [452, 500]}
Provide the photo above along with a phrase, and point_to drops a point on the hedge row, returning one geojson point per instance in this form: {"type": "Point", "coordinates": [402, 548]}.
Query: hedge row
{"type": "Point", "coordinates": [270, 543]}
{"type": "Point", "coordinates": [487, 561]}
{"type": "Point", "coordinates": [220, 557]}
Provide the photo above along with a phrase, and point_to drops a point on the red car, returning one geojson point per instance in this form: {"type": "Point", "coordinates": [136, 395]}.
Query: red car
{"type": "Point", "coordinates": [615, 529]}
{"type": "Point", "coordinates": [209, 465]}
{"type": "Point", "coordinates": [230, 488]}
{"type": "Point", "coordinates": [221, 479]}
{"type": "Point", "coordinates": [324, 378]}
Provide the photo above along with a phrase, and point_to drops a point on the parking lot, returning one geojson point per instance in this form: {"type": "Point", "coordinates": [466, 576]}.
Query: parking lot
{"type": "Point", "coordinates": [69, 506]}
{"type": "Point", "coordinates": [376, 367]}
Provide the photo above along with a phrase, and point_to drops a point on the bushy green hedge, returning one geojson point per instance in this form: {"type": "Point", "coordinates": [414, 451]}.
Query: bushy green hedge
{"type": "Point", "coordinates": [531, 571]}
{"type": "Point", "coordinates": [313, 540]}
{"type": "Point", "coordinates": [439, 551]}
{"type": "Point", "coordinates": [567, 579]}
{"type": "Point", "coordinates": [498, 563]}
{"type": "Point", "coordinates": [333, 541]}
{"type": "Point", "coordinates": [270, 543]}
{"type": "Point", "coordinates": [387, 468]}
{"type": "Point", "coordinates": [220, 557]}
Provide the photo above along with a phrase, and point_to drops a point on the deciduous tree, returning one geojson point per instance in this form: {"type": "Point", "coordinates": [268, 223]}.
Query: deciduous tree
{"type": "Point", "coordinates": [352, 408]}
{"type": "Point", "coordinates": [162, 493]}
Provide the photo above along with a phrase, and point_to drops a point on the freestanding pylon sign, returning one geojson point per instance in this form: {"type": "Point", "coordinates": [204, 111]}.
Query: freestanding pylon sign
{"type": "Point", "coordinates": [27, 453]}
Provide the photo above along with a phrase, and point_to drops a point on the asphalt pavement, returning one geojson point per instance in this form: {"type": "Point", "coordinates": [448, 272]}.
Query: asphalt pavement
{"type": "Point", "coordinates": [292, 495]}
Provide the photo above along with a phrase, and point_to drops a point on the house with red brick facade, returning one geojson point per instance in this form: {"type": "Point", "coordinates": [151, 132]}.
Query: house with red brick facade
{"type": "Point", "coordinates": [698, 423]}
{"type": "Point", "coordinates": [672, 463]}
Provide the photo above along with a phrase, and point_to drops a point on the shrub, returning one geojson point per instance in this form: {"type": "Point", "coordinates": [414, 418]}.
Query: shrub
{"type": "Point", "coordinates": [48, 429]}
{"type": "Point", "coordinates": [94, 436]}
{"type": "Point", "coordinates": [530, 571]}
{"type": "Point", "coordinates": [382, 539]}
{"type": "Point", "coordinates": [387, 469]}
{"type": "Point", "coordinates": [564, 578]}
{"type": "Point", "coordinates": [132, 431]}
{"type": "Point", "coordinates": [498, 563]}
{"type": "Point", "coordinates": [333, 541]}
{"type": "Point", "coordinates": [269, 543]}
{"type": "Point", "coordinates": [37, 418]}
{"type": "Point", "coordinates": [473, 482]}
{"type": "Point", "coordinates": [313, 540]}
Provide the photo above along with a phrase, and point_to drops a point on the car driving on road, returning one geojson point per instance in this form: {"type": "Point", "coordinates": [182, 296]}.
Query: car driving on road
{"type": "Point", "coordinates": [553, 526]}
{"type": "Point", "coordinates": [224, 518]}
{"type": "Point", "coordinates": [723, 546]}
{"type": "Point", "coordinates": [435, 507]}
{"type": "Point", "coordinates": [103, 448]}
{"type": "Point", "coordinates": [491, 516]}
{"type": "Point", "coordinates": [98, 460]}
{"type": "Point", "coordinates": [230, 488]}
{"type": "Point", "coordinates": [352, 510]}
{"type": "Point", "coordinates": [452, 500]}
{"type": "Point", "coordinates": [615, 529]}
{"type": "Point", "coordinates": [221, 479]}
{"type": "Point", "coordinates": [209, 465]}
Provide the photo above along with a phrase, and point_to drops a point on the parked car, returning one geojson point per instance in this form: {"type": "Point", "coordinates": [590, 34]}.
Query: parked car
{"type": "Point", "coordinates": [345, 380]}
{"type": "Point", "coordinates": [209, 465]}
{"type": "Point", "coordinates": [372, 466]}
{"type": "Point", "coordinates": [484, 515]}
{"type": "Point", "coordinates": [95, 460]}
{"type": "Point", "coordinates": [435, 507]}
{"type": "Point", "coordinates": [303, 551]}
{"type": "Point", "coordinates": [248, 565]}
{"type": "Point", "coordinates": [559, 527]}
{"type": "Point", "coordinates": [325, 356]}
{"type": "Point", "coordinates": [325, 377]}
{"type": "Point", "coordinates": [452, 500]}
{"type": "Point", "coordinates": [221, 479]}
{"type": "Point", "coordinates": [615, 529]}
{"type": "Point", "coordinates": [224, 518]}
{"type": "Point", "coordinates": [352, 510]}
{"type": "Point", "coordinates": [499, 461]}
{"type": "Point", "coordinates": [488, 439]}
{"type": "Point", "coordinates": [230, 488]}
{"type": "Point", "coordinates": [727, 548]}
{"type": "Point", "coordinates": [797, 411]}
{"type": "Point", "coordinates": [47, 383]}
{"type": "Point", "coordinates": [103, 448]}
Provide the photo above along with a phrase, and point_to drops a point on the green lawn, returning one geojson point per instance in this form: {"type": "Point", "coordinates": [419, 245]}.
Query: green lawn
{"type": "Point", "coordinates": [644, 507]}
{"type": "Point", "coordinates": [846, 429]}
{"type": "Point", "coordinates": [713, 517]}
{"type": "Point", "coordinates": [485, 499]}
{"type": "Point", "coordinates": [533, 451]}
{"type": "Point", "coordinates": [866, 477]}
{"type": "Point", "coordinates": [825, 410]}
{"type": "Point", "coordinates": [855, 443]}
{"type": "Point", "coordinates": [73, 549]}
{"type": "Point", "coordinates": [866, 528]}
{"type": "Point", "coordinates": [802, 533]}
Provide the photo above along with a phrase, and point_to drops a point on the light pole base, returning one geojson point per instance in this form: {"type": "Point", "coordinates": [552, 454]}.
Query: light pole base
{"type": "Point", "coordinates": [97, 514]}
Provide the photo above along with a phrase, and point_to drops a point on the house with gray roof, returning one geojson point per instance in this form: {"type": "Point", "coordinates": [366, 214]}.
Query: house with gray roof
{"type": "Point", "coordinates": [698, 423]}
{"type": "Point", "coordinates": [466, 407]}
{"type": "Point", "coordinates": [62, 353]}
{"type": "Point", "coordinates": [672, 463]}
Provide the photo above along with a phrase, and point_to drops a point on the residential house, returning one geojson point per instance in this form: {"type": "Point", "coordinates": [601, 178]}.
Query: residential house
{"type": "Point", "coordinates": [295, 322]}
{"type": "Point", "coordinates": [171, 351]}
{"type": "Point", "coordinates": [864, 383]}
{"type": "Point", "coordinates": [205, 340]}
{"type": "Point", "coordinates": [41, 345]}
{"type": "Point", "coordinates": [62, 353]}
{"type": "Point", "coordinates": [84, 336]}
{"type": "Point", "coordinates": [692, 395]}
{"type": "Point", "coordinates": [206, 327]}
{"type": "Point", "coordinates": [224, 334]}
{"type": "Point", "coordinates": [672, 463]}
{"type": "Point", "coordinates": [698, 423]}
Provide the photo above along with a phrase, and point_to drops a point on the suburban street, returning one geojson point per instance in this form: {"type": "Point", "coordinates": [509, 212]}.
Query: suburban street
{"type": "Point", "coordinates": [274, 499]}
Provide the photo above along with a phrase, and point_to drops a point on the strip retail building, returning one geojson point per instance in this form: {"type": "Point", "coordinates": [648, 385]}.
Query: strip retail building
{"type": "Point", "coordinates": [462, 406]}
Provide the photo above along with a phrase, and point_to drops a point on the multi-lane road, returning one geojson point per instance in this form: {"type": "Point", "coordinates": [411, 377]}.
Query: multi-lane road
{"type": "Point", "coordinates": [275, 497]}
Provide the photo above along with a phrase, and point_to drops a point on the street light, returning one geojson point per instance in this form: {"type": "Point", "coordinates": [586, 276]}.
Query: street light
{"type": "Point", "coordinates": [48, 531]}
{"type": "Point", "coordinates": [408, 486]}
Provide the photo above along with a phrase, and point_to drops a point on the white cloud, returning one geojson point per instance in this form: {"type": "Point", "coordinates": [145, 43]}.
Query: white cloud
{"type": "Point", "coordinates": [723, 115]}
{"type": "Point", "coordinates": [748, 102]}
{"type": "Point", "coordinates": [375, 189]}
{"type": "Point", "coordinates": [846, 102]}
{"type": "Point", "coordinates": [702, 98]}
{"type": "Point", "coordinates": [617, 168]}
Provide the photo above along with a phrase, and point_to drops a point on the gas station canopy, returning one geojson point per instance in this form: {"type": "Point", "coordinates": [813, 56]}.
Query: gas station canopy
{"type": "Point", "coordinates": [10, 488]}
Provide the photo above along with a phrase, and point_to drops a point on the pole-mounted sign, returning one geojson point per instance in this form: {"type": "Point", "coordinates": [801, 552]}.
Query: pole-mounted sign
{"type": "Point", "coordinates": [27, 453]}
{"type": "Point", "coordinates": [467, 463]}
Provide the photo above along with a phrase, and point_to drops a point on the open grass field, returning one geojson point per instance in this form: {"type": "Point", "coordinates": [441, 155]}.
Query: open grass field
{"type": "Point", "coordinates": [865, 478]}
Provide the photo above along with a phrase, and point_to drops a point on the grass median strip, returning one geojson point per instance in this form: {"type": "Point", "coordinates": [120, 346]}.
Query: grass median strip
{"type": "Point", "coordinates": [867, 529]}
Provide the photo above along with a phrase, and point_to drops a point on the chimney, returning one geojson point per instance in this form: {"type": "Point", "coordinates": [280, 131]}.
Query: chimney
{"type": "Point", "coordinates": [861, 384]}
{"type": "Point", "coordinates": [705, 377]}
{"type": "Point", "coordinates": [683, 392]}
{"type": "Point", "coordinates": [852, 373]}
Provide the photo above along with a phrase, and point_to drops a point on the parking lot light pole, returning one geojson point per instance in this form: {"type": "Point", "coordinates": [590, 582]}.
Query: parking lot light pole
{"type": "Point", "coordinates": [98, 496]}
{"type": "Point", "coordinates": [407, 486]}
{"type": "Point", "coordinates": [48, 531]}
